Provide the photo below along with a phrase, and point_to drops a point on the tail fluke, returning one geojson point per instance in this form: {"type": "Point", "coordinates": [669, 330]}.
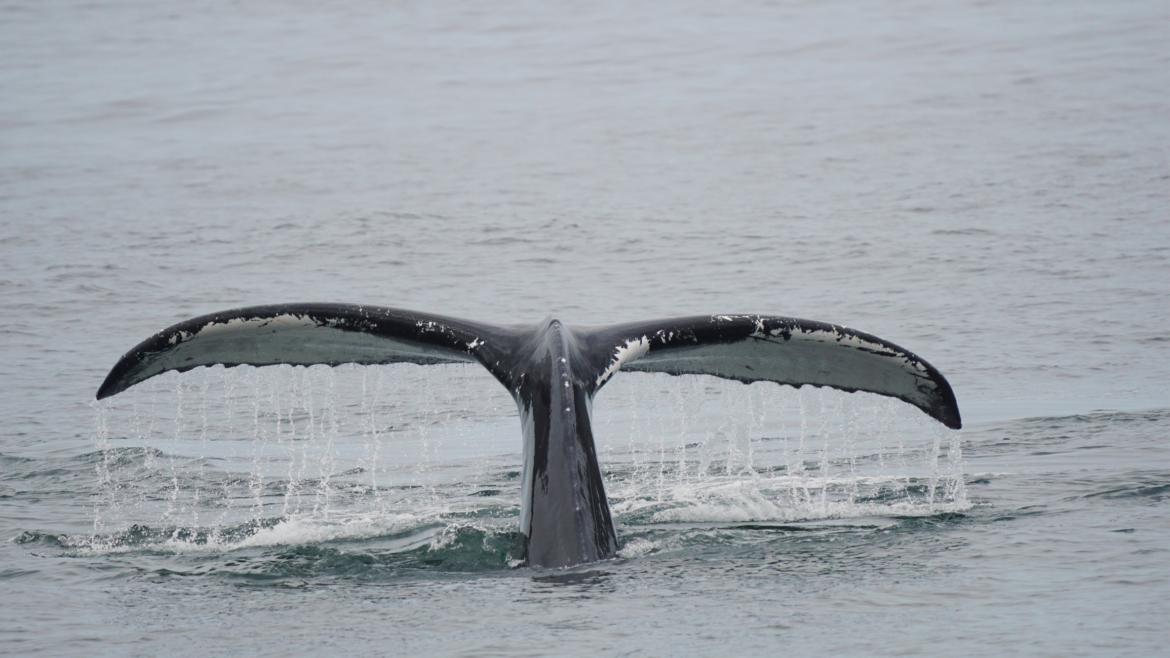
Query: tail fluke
{"type": "Point", "coordinates": [789, 351]}
{"type": "Point", "coordinates": [303, 334]}
{"type": "Point", "coordinates": [553, 372]}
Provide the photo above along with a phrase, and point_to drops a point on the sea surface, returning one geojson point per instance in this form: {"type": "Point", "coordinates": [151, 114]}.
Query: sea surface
{"type": "Point", "coordinates": [984, 183]}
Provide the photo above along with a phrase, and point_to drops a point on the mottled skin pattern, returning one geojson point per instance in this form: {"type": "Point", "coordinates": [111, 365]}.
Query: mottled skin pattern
{"type": "Point", "coordinates": [553, 371]}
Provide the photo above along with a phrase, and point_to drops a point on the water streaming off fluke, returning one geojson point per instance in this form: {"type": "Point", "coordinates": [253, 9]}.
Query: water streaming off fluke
{"type": "Point", "coordinates": [413, 458]}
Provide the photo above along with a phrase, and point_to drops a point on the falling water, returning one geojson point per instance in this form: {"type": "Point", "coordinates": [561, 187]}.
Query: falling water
{"type": "Point", "coordinates": [218, 454]}
{"type": "Point", "coordinates": [281, 454]}
{"type": "Point", "coordinates": [702, 449]}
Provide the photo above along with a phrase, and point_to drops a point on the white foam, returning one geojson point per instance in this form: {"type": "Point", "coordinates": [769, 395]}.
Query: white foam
{"type": "Point", "coordinates": [300, 530]}
{"type": "Point", "coordinates": [637, 548]}
{"type": "Point", "coordinates": [779, 499]}
{"type": "Point", "coordinates": [765, 510]}
{"type": "Point", "coordinates": [296, 530]}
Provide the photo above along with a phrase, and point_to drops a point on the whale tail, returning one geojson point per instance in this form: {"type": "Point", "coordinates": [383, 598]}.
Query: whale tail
{"type": "Point", "coordinates": [553, 372]}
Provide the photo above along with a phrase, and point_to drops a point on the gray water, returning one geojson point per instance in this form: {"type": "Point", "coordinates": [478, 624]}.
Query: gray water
{"type": "Point", "coordinates": [983, 183]}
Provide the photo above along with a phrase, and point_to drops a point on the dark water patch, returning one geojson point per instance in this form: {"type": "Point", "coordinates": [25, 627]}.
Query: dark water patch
{"type": "Point", "coordinates": [1100, 419]}
{"type": "Point", "coordinates": [500, 242]}
{"type": "Point", "coordinates": [33, 539]}
{"type": "Point", "coordinates": [64, 476]}
{"type": "Point", "coordinates": [965, 231]}
{"type": "Point", "coordinates": [773, 528]}
{"type": "Point", "coordinates": [470, 550]}
{"type": "Point", "coordinates": [932, 521]}
{"type": "Point", "coordinates": [1154, 493]}
{"type": "Point", "coordinates": [579, 584]}
{"type": "Point", "coordinates": [18, 574]}
{"type": "Point", "coordinates": [456, 550]}
{"type": "Point", "coordinates": [587, 577]}
{"type": "Point", "coordinates": [232, 552]}
{"type": "Point", "coordinates": [310, 561]}
{"type": "Point", "coordinates": [1103, 421]}
{"type": "Point", "coordinates": [12, 460]}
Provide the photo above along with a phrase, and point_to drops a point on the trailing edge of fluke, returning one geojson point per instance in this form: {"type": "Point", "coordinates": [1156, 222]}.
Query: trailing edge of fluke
{"type": "Point", "coordinates": [552, 371]}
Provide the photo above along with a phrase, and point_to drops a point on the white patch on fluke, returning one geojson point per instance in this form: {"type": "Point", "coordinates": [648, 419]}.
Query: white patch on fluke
{"type": "Point", "coordinates": [235, 325]}
{"type": "Point", "coordinates": [633, 349]}
{"type": "Point", "coordinates": [844, 339]}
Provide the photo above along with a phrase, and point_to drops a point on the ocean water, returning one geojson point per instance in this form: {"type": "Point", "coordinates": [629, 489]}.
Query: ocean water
{"type": "Point", "coordinates": [984, 183]}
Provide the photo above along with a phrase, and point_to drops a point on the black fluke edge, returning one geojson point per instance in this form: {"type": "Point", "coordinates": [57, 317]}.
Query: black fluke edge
{"type": "Point", "coordinates": [553, 372]}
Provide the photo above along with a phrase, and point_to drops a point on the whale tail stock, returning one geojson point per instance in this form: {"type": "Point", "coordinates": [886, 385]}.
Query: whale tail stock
{"type": "Point", "coordinates": [553, 372]}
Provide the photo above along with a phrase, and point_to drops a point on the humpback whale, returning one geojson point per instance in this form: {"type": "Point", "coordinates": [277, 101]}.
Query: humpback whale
{"type": "Point", "coordinates": [553, 371]}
